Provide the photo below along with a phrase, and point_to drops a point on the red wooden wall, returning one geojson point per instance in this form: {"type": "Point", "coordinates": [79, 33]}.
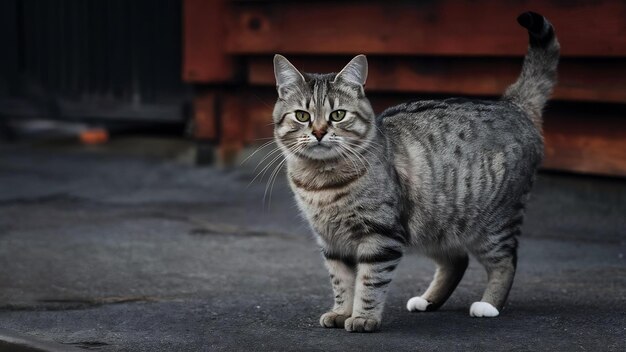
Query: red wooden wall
{"type": "Point", "coordinates": [416, 49]}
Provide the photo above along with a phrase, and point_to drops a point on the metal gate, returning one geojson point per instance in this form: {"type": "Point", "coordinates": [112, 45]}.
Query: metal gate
{"type": "Point", "coordinates": [97, 59]}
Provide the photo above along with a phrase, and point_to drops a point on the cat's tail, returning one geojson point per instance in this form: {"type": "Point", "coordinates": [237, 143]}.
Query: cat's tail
{"type": "Point", "coordinates": [538, 77]}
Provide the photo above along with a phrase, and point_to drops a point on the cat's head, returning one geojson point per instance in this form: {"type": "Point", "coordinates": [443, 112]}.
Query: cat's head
{"type": "Point", "coordinates": [322, 116]}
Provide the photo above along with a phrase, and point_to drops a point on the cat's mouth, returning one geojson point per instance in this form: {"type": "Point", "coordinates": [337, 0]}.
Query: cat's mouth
{"type": "Point", "coordinates": [319, 151]}
{"type": "Point", "coordinates": [320, 146]}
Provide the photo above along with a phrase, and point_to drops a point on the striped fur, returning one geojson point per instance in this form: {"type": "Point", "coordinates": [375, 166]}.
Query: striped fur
{"type": "Point", "coordinates": [450, 178]}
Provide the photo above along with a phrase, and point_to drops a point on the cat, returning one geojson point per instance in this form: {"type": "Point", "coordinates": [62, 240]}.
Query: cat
{"type": "Point", "coordinates": [448, 177]}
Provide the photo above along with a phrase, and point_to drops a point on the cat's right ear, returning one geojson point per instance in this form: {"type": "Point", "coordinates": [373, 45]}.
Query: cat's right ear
{"type": "Point", "coordinates": [355, 71]}
{"type": "Point", "coordinates": [286, 74]}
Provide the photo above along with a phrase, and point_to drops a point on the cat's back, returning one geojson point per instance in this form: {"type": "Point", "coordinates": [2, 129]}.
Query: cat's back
{"type": "Point", "coordinates": [460, 125]}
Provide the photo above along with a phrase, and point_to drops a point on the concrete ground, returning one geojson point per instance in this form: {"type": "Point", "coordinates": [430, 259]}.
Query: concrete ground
{"type": "Point", "coordinates": [112, 250]}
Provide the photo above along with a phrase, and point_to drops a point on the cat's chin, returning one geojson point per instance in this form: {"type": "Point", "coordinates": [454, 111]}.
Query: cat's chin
{"type": "Point", "coordinates": [320, 153]}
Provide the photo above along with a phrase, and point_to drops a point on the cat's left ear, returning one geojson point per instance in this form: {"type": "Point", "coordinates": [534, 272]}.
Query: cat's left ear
{"type": "Point", "coordinates": [286, 74]}
{"type": "Point", "coordinates": [355, 71]}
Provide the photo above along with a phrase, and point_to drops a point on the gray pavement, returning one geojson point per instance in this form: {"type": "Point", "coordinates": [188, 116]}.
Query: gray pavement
{"type": "Point", "coordinates": [115, 251]}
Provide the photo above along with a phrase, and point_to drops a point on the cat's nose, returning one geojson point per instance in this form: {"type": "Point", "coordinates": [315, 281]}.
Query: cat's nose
{"type": "Point", "coordinates": [319, 134]}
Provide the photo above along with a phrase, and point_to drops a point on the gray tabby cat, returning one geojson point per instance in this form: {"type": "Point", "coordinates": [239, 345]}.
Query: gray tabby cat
{"type": "Point", "coordinates": [448, 177]}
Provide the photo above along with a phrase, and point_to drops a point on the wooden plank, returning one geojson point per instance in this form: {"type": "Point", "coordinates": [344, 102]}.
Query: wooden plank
{"type": "Point", "coordinates": [234, 118]}
{"type": "Point", "coordinates": [588, 138]}
{"type": "Point", "coordinates": [204, 56]}
{"type": "Point", "coordinates": [205, 116]}
{"type": "Point", "coordinates": [246, 115]}
{"type": "Point", "coordinates": [589, 141]}
{"type": "Point", "coordinates": [600, 80]}
{"type": "Point", "coordinates": [446, 27]}
{"type": "Point", "coordinates": [236, 124]}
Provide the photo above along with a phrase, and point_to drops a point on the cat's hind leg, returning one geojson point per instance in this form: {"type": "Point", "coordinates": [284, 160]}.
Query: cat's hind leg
{"type": "Point", "coordinates": [450, 270]}
{"type": "Point", "coordinates": [500, 262]}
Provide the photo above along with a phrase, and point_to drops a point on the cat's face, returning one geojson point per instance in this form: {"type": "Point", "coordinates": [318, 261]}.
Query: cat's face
{"type": "Point", "coordinates": [322, 116]}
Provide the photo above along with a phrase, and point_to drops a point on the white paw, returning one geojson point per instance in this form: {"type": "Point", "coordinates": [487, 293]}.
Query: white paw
{"type": "Point", "coordinates": [417, 304]}
{"type": "Point", "coordinates": [483, 310]}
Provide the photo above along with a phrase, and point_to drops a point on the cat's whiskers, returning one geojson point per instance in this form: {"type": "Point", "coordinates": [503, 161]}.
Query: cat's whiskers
{"type": "Point", "coordinates": [265, 145]}
{"type": "Point", "coordinates": [360, 139]}
{"type": "Point", "coordinates": [261, 163]}
{"type": "Point", "coordinates": [277, 149]}
{"type": "Point", "coordinates": [346, 158]}
{"type": "Point", "coordinates": [351, 151]}
{"type": "Point", "coordinates": [275, 172]}
{"type": "Point", "coordinates": [270, 181]}
{"type": "Point", "coordinates": [379, 130]}
{"type": "Point", "coordinates": [266, 168]}
{"type": "Point", "coordinates": [366, 150]}
{"type": "Point", "coordinates": [370, 143]}
{"type": "Point", "coordinates": [363, 149]}
{"type": "Point", "coordinates": [357, 155]}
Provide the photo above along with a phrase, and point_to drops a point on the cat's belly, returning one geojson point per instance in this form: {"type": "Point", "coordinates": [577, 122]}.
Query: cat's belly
{"type": "Point", "coordinates": [457, 203]}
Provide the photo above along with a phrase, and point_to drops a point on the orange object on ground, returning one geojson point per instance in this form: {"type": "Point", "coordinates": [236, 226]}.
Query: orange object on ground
{"type": "Point", "coordinates": [94, 136]}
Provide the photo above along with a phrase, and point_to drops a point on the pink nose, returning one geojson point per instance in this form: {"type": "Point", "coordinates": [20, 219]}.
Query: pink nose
{"type": "Point", "coordinates": [319, 134]}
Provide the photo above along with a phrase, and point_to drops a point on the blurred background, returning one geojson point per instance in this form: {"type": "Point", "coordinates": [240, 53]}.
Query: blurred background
{"type": "Point", "coordinates": [134, 215]}
{"type": "Point", "coordinates": [202, 69]}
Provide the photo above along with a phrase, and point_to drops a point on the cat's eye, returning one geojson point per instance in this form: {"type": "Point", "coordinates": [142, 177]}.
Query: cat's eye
{"type": "Point", "coordinates": [302, 116]}
{"type": "Point", "coordinates": [337, 115]}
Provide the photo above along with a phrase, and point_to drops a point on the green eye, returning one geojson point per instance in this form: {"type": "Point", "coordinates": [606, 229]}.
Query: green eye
{"type": "Point", "coordinates": [337, 115]}
{"type": "Point", "coordinates": [302, 116]}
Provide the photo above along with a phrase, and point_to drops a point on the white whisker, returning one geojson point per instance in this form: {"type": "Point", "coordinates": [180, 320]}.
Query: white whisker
{"type": "Point", "coordinates": [277, 149]}
{"type": "Point", "coordinates": [274, 175]}
{"type": "Point", "coordinates": [266, 144]}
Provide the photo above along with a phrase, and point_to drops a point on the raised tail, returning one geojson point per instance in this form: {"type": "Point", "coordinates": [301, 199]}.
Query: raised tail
{"type": "Point", "coordinates": [534, 86]}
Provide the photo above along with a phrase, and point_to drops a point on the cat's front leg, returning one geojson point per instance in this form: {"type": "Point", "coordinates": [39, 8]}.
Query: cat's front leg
{"type": "Point", "coordinates": [342, 277]}
{"type": "Point", "coordinates": [377, 261]}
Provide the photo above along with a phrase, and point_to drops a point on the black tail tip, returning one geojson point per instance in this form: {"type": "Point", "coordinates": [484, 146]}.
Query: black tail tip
{"type": "Point", "coordinates": [539, 29]}
{"type": "Point", "coordinates": [532, 21]}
